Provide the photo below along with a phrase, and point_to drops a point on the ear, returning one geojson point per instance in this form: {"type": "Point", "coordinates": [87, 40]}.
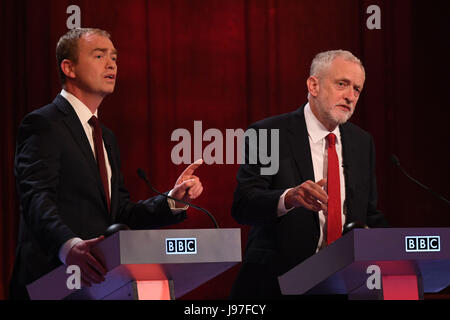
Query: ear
{"type": "Point", "coordinates": [68, 67]}
{"type": "Point", "coordinates": [312, 83]}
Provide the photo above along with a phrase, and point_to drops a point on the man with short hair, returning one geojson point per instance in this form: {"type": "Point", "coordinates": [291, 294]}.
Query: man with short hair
{"type": "Point", "coordinates": [326, 179]}
{"type": "Point", "coordinates": [67, 169]}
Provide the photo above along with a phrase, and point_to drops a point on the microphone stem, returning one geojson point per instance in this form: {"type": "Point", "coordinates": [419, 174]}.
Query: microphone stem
{"type": "Point", "coordinates": [182, 201]}
{"type": "Point", "coordinates": [423, 186]}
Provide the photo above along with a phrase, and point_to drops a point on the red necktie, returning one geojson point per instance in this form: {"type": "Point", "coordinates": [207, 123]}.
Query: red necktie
{"type": "Point", "coordinates": [98, 144]}
{"type": "Point", "coordinates": [334, 225]}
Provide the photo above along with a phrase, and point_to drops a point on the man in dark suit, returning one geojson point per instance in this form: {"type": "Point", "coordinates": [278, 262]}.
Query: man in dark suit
{"type": "Point", "coordinates": [294, 212]}
{"type": "Point", "coordinates": [67, 168]}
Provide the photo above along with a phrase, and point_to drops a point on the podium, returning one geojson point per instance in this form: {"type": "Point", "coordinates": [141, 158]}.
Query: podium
{"type": "Point", "coordinates": [149, 265]}
{"type": "Point", "coordinates": [382, 264]}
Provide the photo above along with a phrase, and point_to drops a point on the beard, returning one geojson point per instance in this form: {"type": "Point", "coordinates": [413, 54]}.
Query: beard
{"type": "Point", "coordinates": [336, 114]}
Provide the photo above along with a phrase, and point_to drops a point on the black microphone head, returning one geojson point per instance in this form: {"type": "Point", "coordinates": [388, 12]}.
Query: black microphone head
{"type": "Point", "coordinates": [395, 160]}
{"type": "Point", "coordinates": [353, 225]}
{"type": "Point", "coordinates": [114, 228]}
{"type": "Point", "coordinates": [141, 174]}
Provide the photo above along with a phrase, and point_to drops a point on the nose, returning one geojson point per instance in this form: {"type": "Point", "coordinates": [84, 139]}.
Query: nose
{"type": "Point", "coordinates": [111, 64]}
{"type": "Point", "coordinates": [349, 95]}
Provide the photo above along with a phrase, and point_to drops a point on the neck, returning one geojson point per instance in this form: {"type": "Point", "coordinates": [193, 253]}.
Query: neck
{"type": "Point", "coordinates": [330, 125]}
{"type": "Point", "coordinates": [92, 101]}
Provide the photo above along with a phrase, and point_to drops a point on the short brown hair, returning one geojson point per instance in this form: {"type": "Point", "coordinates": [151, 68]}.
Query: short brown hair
{"type": "Point", "coordinates": [67, 47]}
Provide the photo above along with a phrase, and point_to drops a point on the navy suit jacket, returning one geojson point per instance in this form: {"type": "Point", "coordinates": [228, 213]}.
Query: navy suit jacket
{"type": "Point", "coordinates": [277, 244]}
{"type": "Point", "coordinates": [61, 193]}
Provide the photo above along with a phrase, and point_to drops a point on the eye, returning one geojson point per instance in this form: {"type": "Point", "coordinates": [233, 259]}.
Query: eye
{"type": "Point", "coordinates": [341, 84]}
{"type": "Point", "coordinates": [98, 56]}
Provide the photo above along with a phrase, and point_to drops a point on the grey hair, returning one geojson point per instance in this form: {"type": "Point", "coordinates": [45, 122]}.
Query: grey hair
{"type": "Point", "coordinates": [323, 60]}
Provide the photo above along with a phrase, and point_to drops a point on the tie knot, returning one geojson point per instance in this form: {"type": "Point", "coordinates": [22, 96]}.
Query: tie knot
{"type": "Point", "coordinates": [331, 139]}
{"type": "Point", "coordinates": [93, 121]}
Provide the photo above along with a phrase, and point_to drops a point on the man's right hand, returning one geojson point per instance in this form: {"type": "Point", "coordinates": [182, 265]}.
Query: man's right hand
{"type": "Point", "coordinates": [309, 195]}
{"type": "Point", "coordinates": [92, 271]}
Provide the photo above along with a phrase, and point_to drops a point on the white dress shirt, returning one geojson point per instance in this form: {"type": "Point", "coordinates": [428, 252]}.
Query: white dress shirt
{"type": "Point", "coordinates": [84, 114]}
{"type": "Point", "coordinates": [317, 134]}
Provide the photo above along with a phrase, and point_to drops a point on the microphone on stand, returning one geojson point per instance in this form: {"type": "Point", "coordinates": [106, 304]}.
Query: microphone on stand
{"type": "Point", "coordinates": [396, 162]}
{"type": "Point", "coordinates": [143, 176]}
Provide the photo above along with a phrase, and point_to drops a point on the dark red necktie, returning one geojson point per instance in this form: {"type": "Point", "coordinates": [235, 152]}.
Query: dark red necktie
{"type": "Point", "coordinates": [334, 225]}
{"type": "Point", "coordinates": [101, 163]}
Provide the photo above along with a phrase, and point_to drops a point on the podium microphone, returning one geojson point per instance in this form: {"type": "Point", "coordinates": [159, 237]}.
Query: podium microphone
{"type": "Point", "coordinates": [143, 176]}
{"type": "Point", "coordinates": [397, 164]}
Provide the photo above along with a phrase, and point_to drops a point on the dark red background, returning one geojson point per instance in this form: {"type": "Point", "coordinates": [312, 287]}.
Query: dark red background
{"type": "Point", "coordinates": [228, 64]}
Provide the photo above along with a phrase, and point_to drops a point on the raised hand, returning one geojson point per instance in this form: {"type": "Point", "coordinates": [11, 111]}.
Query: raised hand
{"type": "Point", "coordinates": [188, 186]}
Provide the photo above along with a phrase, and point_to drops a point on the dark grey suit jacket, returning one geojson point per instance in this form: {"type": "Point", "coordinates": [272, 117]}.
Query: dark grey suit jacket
{"type": "Point", "coordinates": [61, 194]}
{"type": "Point", "coordinates": [277, 244]}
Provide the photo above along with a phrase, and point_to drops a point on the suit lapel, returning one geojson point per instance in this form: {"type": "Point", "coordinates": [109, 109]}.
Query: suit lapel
{"type": "Point", "coordinates": [299, 144]}
{"type": "Point", "coordinates": [348, 156]}
{"type": "Point", "coordinates": [301, 150]}
{"type": "Point", "coordinates": [75, 127]}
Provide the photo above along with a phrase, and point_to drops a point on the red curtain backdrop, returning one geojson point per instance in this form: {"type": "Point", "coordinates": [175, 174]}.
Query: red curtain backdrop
{"type": "Point", "coordinates": [228, 64]}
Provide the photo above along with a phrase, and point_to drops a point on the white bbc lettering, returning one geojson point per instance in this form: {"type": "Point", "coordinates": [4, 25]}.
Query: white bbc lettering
{"type": "Point", "coordinates": [190, 245]}
{"type": "Point", "coordinates": [434, 243]}
{"type": "Point", "coordinates": [170, 245]}
{"type": "Point", "coordinates": [422, 243]}
{"type": "Point", "coordinates": [411, 244]}
{"type": "Point", "coordinates": [181, 246]}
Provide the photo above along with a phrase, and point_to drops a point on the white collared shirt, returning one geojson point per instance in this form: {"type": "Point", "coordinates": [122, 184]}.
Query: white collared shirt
{"type": "Point", "coordinates": [317, 134]}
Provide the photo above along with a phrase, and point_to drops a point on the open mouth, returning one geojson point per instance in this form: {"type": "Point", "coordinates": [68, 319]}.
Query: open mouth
{"type": "Point", "coordinates": [110, 76]}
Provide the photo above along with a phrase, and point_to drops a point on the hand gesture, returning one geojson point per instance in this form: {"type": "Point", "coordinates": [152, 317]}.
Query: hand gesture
{"type": "Point", "coordinates": [188, 186]}
{"type": "Point", "coordinates": [309, 195]}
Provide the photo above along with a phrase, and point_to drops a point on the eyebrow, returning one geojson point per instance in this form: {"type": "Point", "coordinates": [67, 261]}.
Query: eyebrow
{"type": "Point", "coordinates": [348, 81]}
{"type": "Point", "coordinates": [113, 51]}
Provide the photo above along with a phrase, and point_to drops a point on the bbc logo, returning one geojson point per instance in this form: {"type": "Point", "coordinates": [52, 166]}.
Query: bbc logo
{"type": "Point", "coordinates": [422, 243]}
{"type": "Point", "coordinates": [181, 246]}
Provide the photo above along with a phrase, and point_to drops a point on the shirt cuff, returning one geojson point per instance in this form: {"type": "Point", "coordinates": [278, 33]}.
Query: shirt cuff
{"type": "Point", "coordinates": [172, 205]}
{"type": "Point", "coordinates": [66, 247]}
{"type": "Point", "coordinates": [281, 207]}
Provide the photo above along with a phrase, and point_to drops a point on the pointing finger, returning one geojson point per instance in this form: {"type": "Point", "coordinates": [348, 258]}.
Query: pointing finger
{"type": "Point", "coordinates": [191, 168]}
